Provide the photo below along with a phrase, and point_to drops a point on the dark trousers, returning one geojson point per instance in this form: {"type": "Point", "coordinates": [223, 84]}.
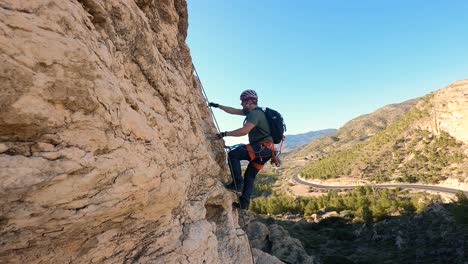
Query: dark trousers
{"type": "Point", "coordinates": [246, 185]}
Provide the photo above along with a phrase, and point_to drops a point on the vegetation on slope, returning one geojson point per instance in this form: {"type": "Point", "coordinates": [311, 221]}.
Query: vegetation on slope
{"type": "Point", "coordinates": [460, 208]}
{"type": "Point", "coordinates": [354, 131]}
{"type": "Point", "coordinates": [401, 152]}
{"type": "Point", "coordinates": [264, 184]}
{"type": "Point", "coordinates": [423, 233]}
{"type": "Point", "coordinates": [427, 237]}
{"type": "Point", "coordinates": [361, 204]}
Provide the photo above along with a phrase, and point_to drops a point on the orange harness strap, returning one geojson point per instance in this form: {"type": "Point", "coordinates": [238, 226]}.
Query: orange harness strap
{"type": "Point", "coordinates": [251, 152]}
{"type": "Point", "coordinates": [267, 144]}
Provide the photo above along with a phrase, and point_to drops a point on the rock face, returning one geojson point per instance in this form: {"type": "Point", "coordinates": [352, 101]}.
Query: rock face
{"type": "Point", "coordinates": [103, 150]}
{"type": "Point", "coordinates": [276, 241]}
{"type": "Point", "coordinates": [264, 258]}
{"type": "Point", "coordinates": [286, 248]}
{"type": "Point", "coordinates": [450, 110]}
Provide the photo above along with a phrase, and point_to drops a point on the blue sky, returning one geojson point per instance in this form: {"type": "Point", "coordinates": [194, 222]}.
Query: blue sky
{"type": "Point", "coordinates": [322, 63]}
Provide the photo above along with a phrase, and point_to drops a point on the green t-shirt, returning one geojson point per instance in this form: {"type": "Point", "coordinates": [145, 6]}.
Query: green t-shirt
{"type": "Point", "coordinates": [261, 131]}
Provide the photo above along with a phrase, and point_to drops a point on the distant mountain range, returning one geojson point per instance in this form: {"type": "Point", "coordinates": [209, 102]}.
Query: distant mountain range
{"type": "Point", "coordinates": [295, 141]}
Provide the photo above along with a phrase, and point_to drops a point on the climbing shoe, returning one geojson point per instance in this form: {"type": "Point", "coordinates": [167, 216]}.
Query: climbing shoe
{"type": "Point", "coordinates": [232, 187]}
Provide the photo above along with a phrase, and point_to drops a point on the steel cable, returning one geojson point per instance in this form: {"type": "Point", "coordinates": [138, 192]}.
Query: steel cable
{"type": "Point", "coordinates": [227, 149]}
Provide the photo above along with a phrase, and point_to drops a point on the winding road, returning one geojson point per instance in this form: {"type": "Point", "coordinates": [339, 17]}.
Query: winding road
{"type": "Point", "coordinates": [406, 186]}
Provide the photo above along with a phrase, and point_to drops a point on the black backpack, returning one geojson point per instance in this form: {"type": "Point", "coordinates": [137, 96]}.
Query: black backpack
{"type": "Point", "coordinates": [276, 123]}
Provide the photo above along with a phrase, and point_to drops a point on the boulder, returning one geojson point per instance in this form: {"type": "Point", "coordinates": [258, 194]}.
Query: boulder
{"type": "Point", "coordinates": [264, 258]}
{"type": "Point", "coordinates": [286, 248]}
{"type": "Point", "coordinates": [258, 235]}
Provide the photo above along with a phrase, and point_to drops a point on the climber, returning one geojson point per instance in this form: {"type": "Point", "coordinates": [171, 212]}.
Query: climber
{"type": "Point", "coordinates": [257, 152]}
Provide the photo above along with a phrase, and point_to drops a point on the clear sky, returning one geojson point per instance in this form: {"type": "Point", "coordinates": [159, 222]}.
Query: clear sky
{"type": "Point", "coordinates": [323, 63]}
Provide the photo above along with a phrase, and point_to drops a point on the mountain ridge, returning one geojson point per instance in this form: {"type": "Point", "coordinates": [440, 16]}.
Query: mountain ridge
{"type": "Point", "coordinates": [352, 132]}
{"type": "Point", "coordinates": [294, 141]}
{"type": "Point", "coordinates": [421, 146]}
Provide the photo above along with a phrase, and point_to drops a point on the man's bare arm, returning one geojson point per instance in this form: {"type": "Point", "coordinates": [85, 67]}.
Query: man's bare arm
{"type": "Point", "coordinates": [231, 110]}
{"type": "Point", "coordinates": [241, 131]}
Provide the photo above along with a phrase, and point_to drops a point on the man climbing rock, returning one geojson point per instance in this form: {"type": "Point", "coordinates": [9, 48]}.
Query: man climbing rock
{"type": "Point", "coordinates": [258, 151]}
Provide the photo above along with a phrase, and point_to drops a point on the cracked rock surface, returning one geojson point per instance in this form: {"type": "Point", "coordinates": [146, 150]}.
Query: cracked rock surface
{"type": "Point", "coordinates": [450, 110]}
{"type": "Point", "coordinates": [103, 150]}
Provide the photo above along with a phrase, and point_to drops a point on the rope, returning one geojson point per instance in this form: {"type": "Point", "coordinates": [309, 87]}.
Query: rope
{"type": "Point", "coordinates": [206, 98]}
{"type": "Point", "coordinates": [240, 208]}
{"type": "Point", "coordinates": [229, 160]}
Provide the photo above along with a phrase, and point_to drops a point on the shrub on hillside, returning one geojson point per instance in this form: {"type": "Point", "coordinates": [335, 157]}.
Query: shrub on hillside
{"type": "Point", "coordinates": [361, 204]}
{"type": "Point", "coordinates": [460, 208]}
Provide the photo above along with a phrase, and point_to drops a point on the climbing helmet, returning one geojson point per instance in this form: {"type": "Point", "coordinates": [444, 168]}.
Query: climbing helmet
{"type": "Point", "coordinates": [248, 94]}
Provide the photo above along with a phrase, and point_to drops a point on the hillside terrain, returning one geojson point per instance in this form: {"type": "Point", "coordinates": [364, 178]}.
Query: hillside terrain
{"type": "Point", "coordinates": [104, 156]}
{"type": "Point", "coordinates": [367, 225]}
{"type": "Point", "coordinates": [293, 142]}
{"type": "Point", "coordinates": [421, 146]}
{"type": "Point", "coordinates": [421, 140]}
{"type": "Point", "coordinates": [432, 236]}
{"type": "Point", "coordinates": [353, 132]}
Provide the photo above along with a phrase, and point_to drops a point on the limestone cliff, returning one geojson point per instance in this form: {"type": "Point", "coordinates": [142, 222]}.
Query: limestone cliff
{"type": "Point", "coordinates": [450, 110]}
{"type": "Point", "coordinates": [103, 150]}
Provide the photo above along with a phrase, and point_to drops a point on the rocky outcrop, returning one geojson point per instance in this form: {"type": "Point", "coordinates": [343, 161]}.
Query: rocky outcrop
{"type": "Point", "coordinates": [264, 258]}
{"type": "Point", "coordinates": [276, 241]}
{"type": "Point", "coordinates": [286, 248]}
{"type": "Point", "coordinates": [258, 235]}
{"type": "Point", "coordinates": [103, 150]}
{"type": "Point", "coordinates": [450, 110]}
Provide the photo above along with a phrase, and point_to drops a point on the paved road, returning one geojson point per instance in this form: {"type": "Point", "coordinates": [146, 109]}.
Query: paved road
{"type": "Point", "coordinates": [407, 186]}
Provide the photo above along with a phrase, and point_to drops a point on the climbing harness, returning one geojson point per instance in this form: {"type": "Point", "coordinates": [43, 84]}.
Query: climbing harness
{"type": "Point", "coordinates": [227, 153]}
{"type": "Point", "coordinates": [253, 157]}
{"type": "Point", "coordinates": [275, 159]}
